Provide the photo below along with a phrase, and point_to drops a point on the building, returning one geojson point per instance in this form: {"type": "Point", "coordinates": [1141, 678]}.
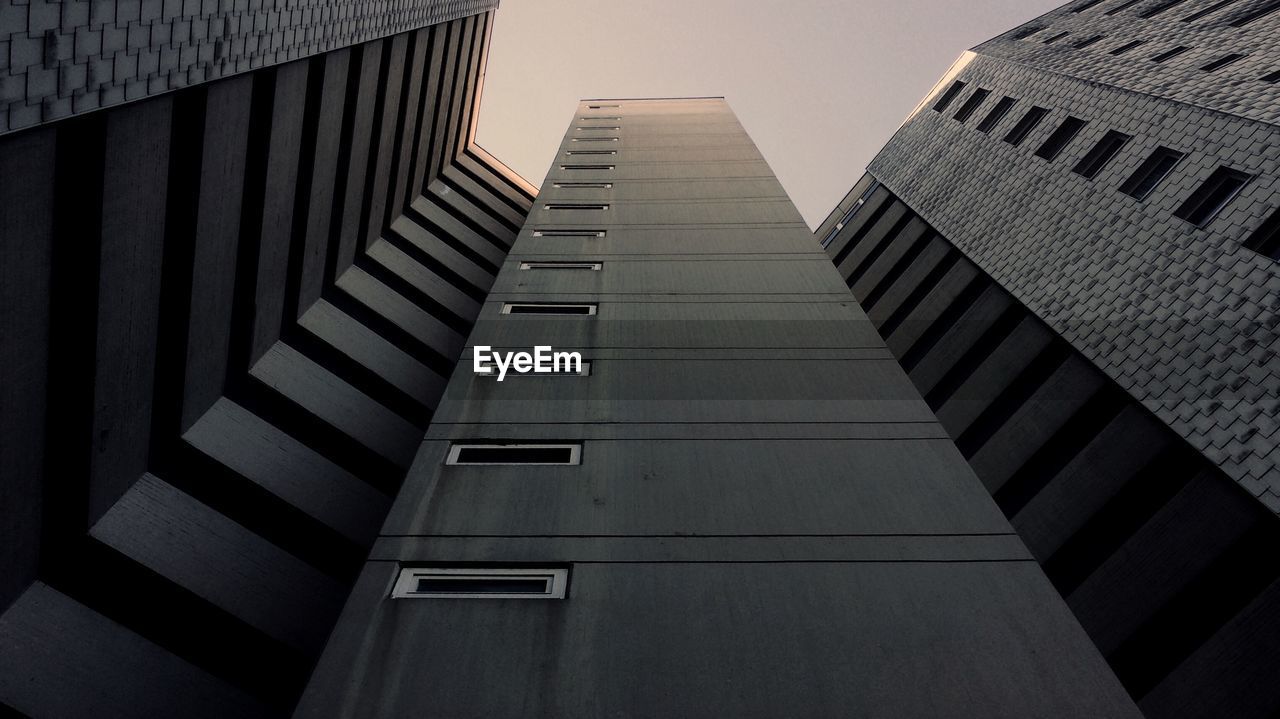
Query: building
{"type": "Point", "coordinates": [231, 299]}
{"type": "Point", "coordinates": [740, 508]}
{"type": "Point", "coordinates": [1071, 247]}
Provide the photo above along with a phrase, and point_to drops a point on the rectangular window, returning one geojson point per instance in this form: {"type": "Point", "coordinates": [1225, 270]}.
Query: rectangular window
{"type": "Point", "coordinates": [1054, 38]}
{"type": "Point", "coordinates": [1170, 54]}
{"type": "Point", "coordinates": [1027, 32]}
{"type": "Point", "coordinates": [574, 206]}
{"type": "Point", "coordinates": [1061, 137]}
{"type": "Point", "coordinates": [1272, 78]}
{"type": "Point", "coordinates": [1101, 154]}
{"type": "Point", "coordinates": [1088, 41]}
{"type": "Point", "coordinates": [547, 308]}
{"type": "Point", "coordinates": [594, 139]}
{"type": "Point", "coordinates": [997, 114]}
{"type": "Point", "coordinates": [497, 453]}
{"type": "Point", "coordinates": [580, 128]}
{"type": "Point", "coordinates": [557, 265]}
{"type": "Point", "coordinates": [1208, 11]}
{"type": "Point", "coordinates": [1151, 172]}
{"type": "Point", "coordinates": [1257, 13]}
{"type": "Point", "coordinates": [1127, 47]}
{"type": "Point", "coordinates": [1086, 5]}
{"type": "Point", "coordinates": [1209, 198]}
{"type": "Point", "coordinates": [481, 583]}
{"type": "Point", "coordinates": [1222, 62]}
{"type": "Point", "coordinates": [583, 185]}
{"type": "Point", "coordinates": [1122, 7]}
{"type": "Point", "coordinates": [586, 167]}
{"type": "Point", "coordinates": [948, 96]}
{"type": "Point", "coordinates": [1161, 7]}
{"type": "Point", "coordinates": [591, 152]}
{"type": "Point", "coordinates": [1266, 239]}
{"type": "Point", "coordinates": [1025, 126]}
{"type": "Point", "coordinates": [602, 107]}
{"type": "Point", "coordinates": [971, 104]}
{"type": "Point", "coordinates": [605, 118]}
{"type": "Point", "coordinates": [568, 232]}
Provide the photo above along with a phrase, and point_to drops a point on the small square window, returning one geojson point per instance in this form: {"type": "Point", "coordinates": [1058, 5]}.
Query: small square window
{"type": "Point", "coordinates": [1211, 197]}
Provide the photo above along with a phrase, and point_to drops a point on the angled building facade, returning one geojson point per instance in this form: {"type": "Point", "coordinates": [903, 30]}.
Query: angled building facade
{"type": "Point", "coordinates": [1071, 245]}
{"type": "Point", "coordinates": [242, 248]}
{"type": "Point", "coordinates": [741, 508]}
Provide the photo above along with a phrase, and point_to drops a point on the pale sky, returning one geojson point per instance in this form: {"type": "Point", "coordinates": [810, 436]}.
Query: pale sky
{"type": "Point", "coordinates": [821, 85]}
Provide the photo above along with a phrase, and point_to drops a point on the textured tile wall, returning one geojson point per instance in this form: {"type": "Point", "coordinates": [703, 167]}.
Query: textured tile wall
{"type": "Point", "coordinates": [63, 57]}
{"type": "Point", "coordinates": [1184, 318]}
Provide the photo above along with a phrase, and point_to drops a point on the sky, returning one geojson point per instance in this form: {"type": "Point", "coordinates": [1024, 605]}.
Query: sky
{"type": "Point", "coordinates": [821, 85]}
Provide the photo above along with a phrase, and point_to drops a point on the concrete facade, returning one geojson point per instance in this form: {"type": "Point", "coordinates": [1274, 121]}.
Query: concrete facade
{"type": "Point", "coordinates": [1104, 358]}
{"type": "Point", "coordinates": [766, 519]}
{"type": "Point", "coordinates": [228, 314]}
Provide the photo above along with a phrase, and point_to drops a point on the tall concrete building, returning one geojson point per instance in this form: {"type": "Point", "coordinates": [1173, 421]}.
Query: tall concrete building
{"type": "Point", "coordinates": [740, 508]}
{"type": "Point", "coordinates": [242, 246]}
{"type": "Point", "coordinates": [1071, 246]}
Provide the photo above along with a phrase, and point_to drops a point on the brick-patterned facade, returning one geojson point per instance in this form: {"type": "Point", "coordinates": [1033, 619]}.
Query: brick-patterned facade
{"type": "Point", "coordinates": [1185, 318]}
{"type": "Point", "coordinates": [64, 57]}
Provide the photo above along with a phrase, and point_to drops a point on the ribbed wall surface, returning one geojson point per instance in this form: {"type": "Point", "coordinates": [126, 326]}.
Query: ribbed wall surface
{"type": "Point", "coordinates": [228, 316]}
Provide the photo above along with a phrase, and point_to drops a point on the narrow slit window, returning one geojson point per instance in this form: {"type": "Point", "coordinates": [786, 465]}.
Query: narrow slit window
{"type": "Point", "coordinates": [1060, 138]}
{"type": "Point", "coordinates": [1088, 41]}
{"type": "Point", "coordinates": [1170, 54]}
{"type": "Point", "coordinates": [1086, 5]}
{"type": "Point", "coordinates": [1122, 7]}
{"type": "Point", "coordinates": [1272, 78]}
{"type": "Point", "coordinates": [587, 167]}
{"type": "Point", "coordinates": [1208, 11]}
{"type": "Point", "coordinates": [583, 185]}
{"type": "Point", "coordinates": [1222, 62]}
{"type": "Point", "coordinates": [547, 309]}
{"type": "Point", "coordinates": [972, 104]}
{"type": "Point", "coordinates": [1257, 13]}
{"type": "Point", "coordinates": [598, 127]}
{"type": "Point", "coordinates": [496, 454]}
{"type": "Point", "coordinates": [948, 96]}
{"type": "Point", "coordinates": [558, 265]}
{"type": "Point", "coordinates": [1151, 173]}
{"type": "Point", "coordinates": [1027, 32]}
{"type": "Point", "coordinates": [602, 107]}
{"type": "Point", "coordinates": [1102, 154]}
{"type": "Point", "coordinates": [1211, 197]}
{"type": "Point", "coordinates": [574, 206]}
{"type": "Point", "coordinates": [997, 114]}
{"type": "Point", "coordinates": [568, 232]}
{"type": "Point", "coordinates": [1266, 239]}
{"type": "Point", "coordinates": [1127, 47]}
{"type": "Point", "coordinates": [1054, 38]}
{"type": "Point", "coordinates": [1161, 7]}
{"type": "Point", "coordinates": [591, 152]}
{"type": "Point", "coordinates": [1025, 126]}
{"type": "Point", "coordinates": [481, 583]}
{"type": "Point", "coordinates": [594, 139]}
{"type": "Point", "coordinates": [605, 118]}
